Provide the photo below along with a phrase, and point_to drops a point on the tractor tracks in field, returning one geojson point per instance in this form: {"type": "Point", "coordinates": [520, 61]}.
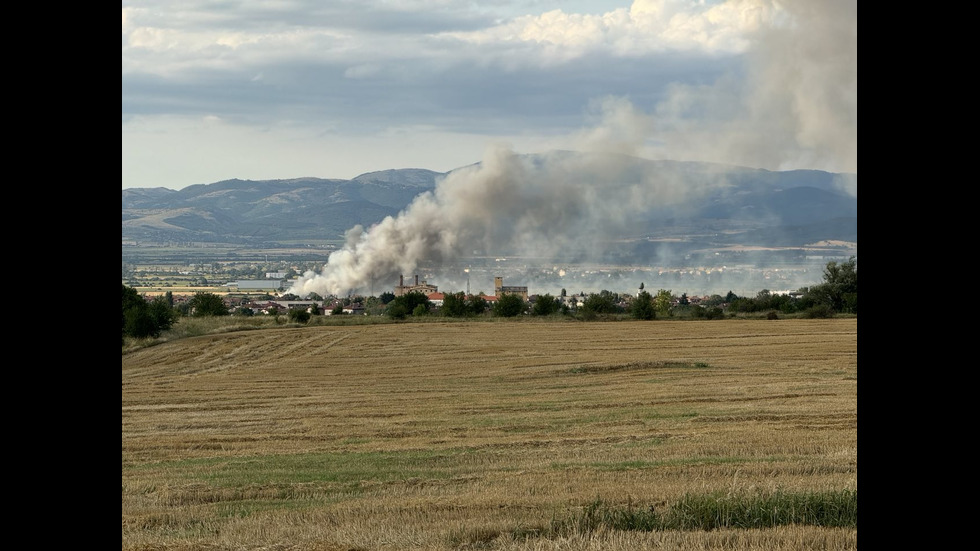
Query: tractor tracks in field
{"type": "Point", "coordinates": [268, 350]}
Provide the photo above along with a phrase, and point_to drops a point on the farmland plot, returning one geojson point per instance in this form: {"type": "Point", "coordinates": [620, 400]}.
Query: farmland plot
{"type": "Point", "coordinates": [483, 435]}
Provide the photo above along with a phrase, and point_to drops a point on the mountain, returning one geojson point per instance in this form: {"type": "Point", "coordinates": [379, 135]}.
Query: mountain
{"type": "Point", "coordinates": [753, 207]}
{"type": "Point", "coordinates": [262, 212]}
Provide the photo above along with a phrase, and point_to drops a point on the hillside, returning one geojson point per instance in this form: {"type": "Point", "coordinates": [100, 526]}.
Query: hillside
{"type": "Point", "coordinates": [721, 205]}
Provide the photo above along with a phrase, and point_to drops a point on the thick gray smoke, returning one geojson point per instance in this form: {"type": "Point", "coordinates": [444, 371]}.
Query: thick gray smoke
{"type": "Point", "coordinates": [532, 206]}
{"type": "Point", "coordinates": [795, 106]}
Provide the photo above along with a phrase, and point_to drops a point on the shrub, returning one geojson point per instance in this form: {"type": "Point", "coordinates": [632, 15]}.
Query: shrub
{"type": "Point", "coordinates": [711, 512]}
{"type": "Point", "coordinates": [818, 311]}
{"type": "Point", "coordinates": [299, 315]}
{"type": "Point", "coordinates": [397, 311]}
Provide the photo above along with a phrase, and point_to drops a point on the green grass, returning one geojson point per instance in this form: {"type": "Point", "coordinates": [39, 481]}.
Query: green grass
{"type": "Point", "coordinates": [639, 464]}
{"type": "Point", "coordinates": [836, 509]}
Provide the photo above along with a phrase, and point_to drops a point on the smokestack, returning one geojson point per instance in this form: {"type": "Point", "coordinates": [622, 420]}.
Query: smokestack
{"type": "Point", "coordinates": [416, 280]}
{"type": "Point", "coordinates": [401, 280]}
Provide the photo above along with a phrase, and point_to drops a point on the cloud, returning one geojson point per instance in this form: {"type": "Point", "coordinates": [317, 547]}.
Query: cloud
{"type": "Point", "coordinates": [761, 83]}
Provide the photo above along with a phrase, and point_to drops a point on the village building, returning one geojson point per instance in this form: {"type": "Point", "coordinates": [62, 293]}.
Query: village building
{"type": "Point", "coordinates": [423, 287]}
{"type": "Point", "coordinates": [500, 290]}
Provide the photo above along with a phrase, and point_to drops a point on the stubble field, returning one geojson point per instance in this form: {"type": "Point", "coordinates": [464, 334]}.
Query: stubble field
{"type": "Point", "coordinates": [483, 435]}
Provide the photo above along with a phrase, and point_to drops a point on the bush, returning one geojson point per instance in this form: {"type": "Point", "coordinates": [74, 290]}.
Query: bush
{"type": "Point", "coordinates": [397, 311]}
{"type": "Point", "coordinates": [818, 311]}
{"type": "Point", "coordinates": [299, 315]}
{"type": "Point", "coordinates": [714, 313]}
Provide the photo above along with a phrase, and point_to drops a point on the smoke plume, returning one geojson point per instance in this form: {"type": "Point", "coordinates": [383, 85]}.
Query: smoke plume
{"type": "Point", "coordinates": [794, 105]}
{"type": "Point", "coordinates": [541, 206]}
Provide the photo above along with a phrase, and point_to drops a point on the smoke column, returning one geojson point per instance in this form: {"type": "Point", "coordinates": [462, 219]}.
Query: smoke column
{"type": "Point", "coordinates": [536, 206]}
{"type": "Point", "coordinates": [794, 105]}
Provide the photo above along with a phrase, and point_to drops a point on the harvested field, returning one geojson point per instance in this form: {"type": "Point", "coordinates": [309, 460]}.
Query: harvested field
{"type": "Point", "coordinates": [478, 435]}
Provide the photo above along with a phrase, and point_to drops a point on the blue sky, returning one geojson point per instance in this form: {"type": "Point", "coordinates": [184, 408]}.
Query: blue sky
{"type": "Point", "coordinates": [277, 89]}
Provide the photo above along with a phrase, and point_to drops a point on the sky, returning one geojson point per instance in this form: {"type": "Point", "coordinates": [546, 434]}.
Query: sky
{"type": "Point", "coordinates": [280, 89]}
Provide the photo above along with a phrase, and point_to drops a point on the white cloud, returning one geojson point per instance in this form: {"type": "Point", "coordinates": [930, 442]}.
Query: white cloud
{"type": "Point", "coordinates": [756, 82]}
{"type": "Point", "coordinates": [648, 26]}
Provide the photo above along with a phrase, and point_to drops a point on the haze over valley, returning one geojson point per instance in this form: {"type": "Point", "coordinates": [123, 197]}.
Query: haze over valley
{"type": "Point", "coordinates": [560, 220]}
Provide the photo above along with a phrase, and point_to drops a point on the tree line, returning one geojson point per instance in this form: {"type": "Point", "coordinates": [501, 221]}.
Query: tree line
{"type": "Point", "coordinates": [837, 294]}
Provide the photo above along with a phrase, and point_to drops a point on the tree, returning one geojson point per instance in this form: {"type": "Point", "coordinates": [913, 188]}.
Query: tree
{"type": "Point", "coordinates": [642, 307]}
{"type": "Point", "coordinates": [373, 306]}
{"type": "Point", "coordinates": [600, 303]}
{"type": "Point", "coordinates": [477, 304]}
{"type": "Point", "coordinates": [545, 305]}
{"type": "Point", "coordinates": [207, 304]}
{"type": "Point", "coordinates": [838, 292]}
{"type": "Point", "coordinates": [139, 324]}
{"type": "Point", "coordinates": [454, 305]}
{"type": "Point", "coordinates": [509, 306]}
{"type": "Point", "coordinates": [409, 303]}
{"type": "Point", "coordinates": [131, 300]}
{"type": "Point", "coordinates": [663, 301]}
{"type": "Point", "coordinates": [162, 313]}
{"type": "Point", "coordinates": [842, 282]}
{"type": "Point", "coordinates": [386, 297]}
{"type": "Point", "coordinates": [142, 319]}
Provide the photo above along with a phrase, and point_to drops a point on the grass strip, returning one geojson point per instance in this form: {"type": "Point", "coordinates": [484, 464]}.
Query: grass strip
{"type": "Point", "coordinates": [709, 512]}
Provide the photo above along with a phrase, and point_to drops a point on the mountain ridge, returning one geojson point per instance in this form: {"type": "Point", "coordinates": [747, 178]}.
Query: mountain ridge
{"type": "Point", "coordinates": [741, 205]}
